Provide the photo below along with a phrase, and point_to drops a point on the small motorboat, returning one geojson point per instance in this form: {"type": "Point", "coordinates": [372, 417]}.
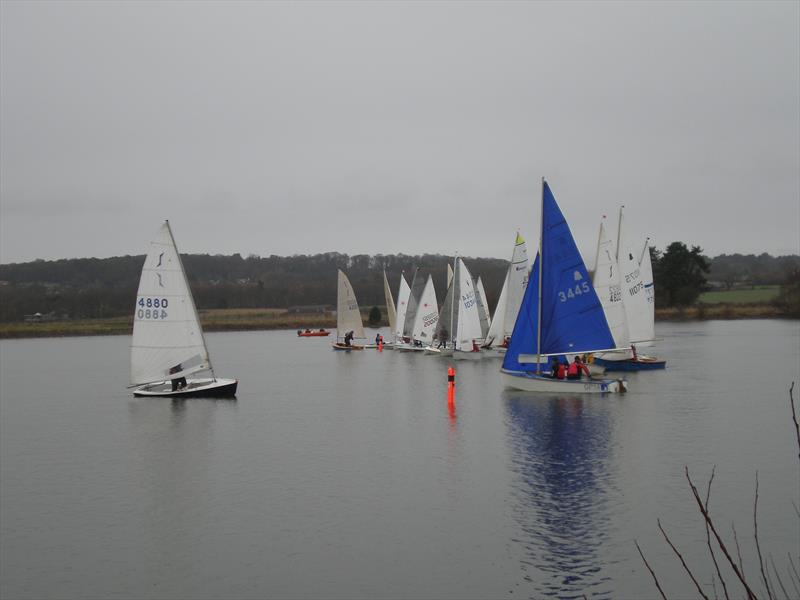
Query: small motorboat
{"type": "Point", "coordinates": [309, 333]}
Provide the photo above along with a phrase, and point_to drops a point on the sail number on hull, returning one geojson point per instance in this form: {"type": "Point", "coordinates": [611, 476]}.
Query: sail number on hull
{"type": "Point", "coordinates": [152, 308]}
{"type": "Point", "coordinates": [579, 289]}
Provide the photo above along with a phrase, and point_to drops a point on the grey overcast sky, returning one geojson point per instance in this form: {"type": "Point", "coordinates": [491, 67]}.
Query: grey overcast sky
{"type": "Point", "coordinates": [379, 127]}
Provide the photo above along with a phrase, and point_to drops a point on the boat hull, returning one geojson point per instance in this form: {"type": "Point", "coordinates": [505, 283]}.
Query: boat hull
{"type": "Point", "coordinates": [313, 333]}
{"type": "Point", "coordinates": [195, 388]}
{"type": "Point", "coordinates": [344, 348]}
{"type": "Point", "coordinates": [632, 364]}
{"type": "Point", "coordinates": [462, 355]}
{"type": "Point", "coordinates": [409, 348]}
{"type": "Point", "coordinates": [529, 382]}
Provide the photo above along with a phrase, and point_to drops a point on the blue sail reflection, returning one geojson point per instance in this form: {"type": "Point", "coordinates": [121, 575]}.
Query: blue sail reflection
{"type": "Point", "coordinates": [560, 454]}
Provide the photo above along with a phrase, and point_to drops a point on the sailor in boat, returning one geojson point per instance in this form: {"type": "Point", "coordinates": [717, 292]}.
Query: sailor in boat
{"type": "Point", "coordinates": [348, 337]}
{"type": "Point", "coordinates": [557, 369]}
{"type": "Point", "coordinates": [178, 383]}
{"type": "Point", "coordinates": [378, 339]}
{"type": "Point", "coordinates": [442, 338]}
{"type": "Point", "coordinates": [576, 369]}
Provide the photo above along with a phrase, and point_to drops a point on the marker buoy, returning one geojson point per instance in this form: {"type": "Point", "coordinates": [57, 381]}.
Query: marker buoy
{"type": "Point", "coordinates": [451, 386]}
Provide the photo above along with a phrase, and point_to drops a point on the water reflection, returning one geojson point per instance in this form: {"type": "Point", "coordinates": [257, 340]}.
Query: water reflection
{"type": "Point", "coordinates": [560, 450]}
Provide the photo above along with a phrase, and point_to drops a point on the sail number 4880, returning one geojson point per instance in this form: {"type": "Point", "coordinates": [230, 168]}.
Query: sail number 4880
{"type": "Point", "coordinates": [152, 308]}
{"type": "Point", "coordinates": [579, 289]}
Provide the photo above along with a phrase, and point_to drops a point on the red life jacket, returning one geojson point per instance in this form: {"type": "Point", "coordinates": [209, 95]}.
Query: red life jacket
{"type": "Point", "coordinates": [572, 370]}
{"type": "Point", "coordinates": [561, 372]}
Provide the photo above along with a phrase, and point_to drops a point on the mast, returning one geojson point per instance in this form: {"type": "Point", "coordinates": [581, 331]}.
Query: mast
{"type": "Point", "coordinates": [539, 308]}
{"type": "Point", "coordinates": [619, 230]}
{"type": "Point", "coordinates": [191, 299]}
{"type": "Point", "coordinates": [453, 298]}
{"type": "Point", "coordinates": [645, 249]}
{"type": "Point", "coordinates": [597, 254]}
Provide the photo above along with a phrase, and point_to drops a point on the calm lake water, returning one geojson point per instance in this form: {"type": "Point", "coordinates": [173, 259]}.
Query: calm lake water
{"type": "Point", "coordinates": [344, 475]}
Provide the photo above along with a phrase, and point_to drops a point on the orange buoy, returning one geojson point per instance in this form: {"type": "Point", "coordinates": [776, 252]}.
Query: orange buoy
{"type": "Point", "coordinates": [451, 386]}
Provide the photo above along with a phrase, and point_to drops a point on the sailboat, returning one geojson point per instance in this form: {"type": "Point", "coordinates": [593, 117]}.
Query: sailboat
{"type": "Point", "coordinates": [560, 314]}
{"type": "Point", "coordinates": [391, 311]}
{"type": "Point", "coordinates": [483, 308]}
{"type": "Point", "coordinates": [636, 283]}
{"type": "Point", "coordinates": [459, 323]}
{"type": "Point", "coordinates": [403, 294]}
{"type": "Point", "coordinates": [348, 316]}
{"type": "Point", "coordinates": [505, 314]}
{"type": "Point", "coordinates": [425, 316]}
{"type": "Point", "coordinates": [168, 344]}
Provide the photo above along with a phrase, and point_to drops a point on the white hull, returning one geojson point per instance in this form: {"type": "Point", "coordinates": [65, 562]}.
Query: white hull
{"type": "Point", "coordinates": [431, 351]}
{"type": "Point", "coordinates": [537, 383]}
{"type": "Point", "coordinates": [208, 388]}
{"type": "Point", "coordinates": [409, 348]}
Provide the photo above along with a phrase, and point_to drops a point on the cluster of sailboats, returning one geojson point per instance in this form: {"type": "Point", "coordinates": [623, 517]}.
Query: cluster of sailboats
{"type": "Point", "coordinates": [554, 311]}
{"type": "Point", "coordinates": [551, 312]}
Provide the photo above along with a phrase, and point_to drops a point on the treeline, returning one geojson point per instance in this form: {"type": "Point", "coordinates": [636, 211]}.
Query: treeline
{"type": "Point", "coordinates": [101, 288]}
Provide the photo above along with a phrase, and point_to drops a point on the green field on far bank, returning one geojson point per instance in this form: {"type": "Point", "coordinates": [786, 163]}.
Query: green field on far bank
{"type": "Point", "coordinates": [759, 293]}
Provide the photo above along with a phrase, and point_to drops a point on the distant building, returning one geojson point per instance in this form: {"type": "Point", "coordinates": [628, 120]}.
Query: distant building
{"type": "Point", "coordinates": [311, 309]}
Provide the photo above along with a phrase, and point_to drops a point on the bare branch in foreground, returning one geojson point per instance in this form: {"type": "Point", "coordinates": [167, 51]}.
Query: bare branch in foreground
{"type": "Point", "coordinates": [738, 550]}
{"type": "Point", "coordinates": [683, 562]}
{"type": "Point", "coordinates": [778, 577]}
{"type": "Point", "coordinates": [721, 543]}
{"type": "Point", "coordinates": [708, 536]}
{"type": "Point", "coordinates": [647, 564]}
{"type": "Point", "coordinates": [794, 417]}
{"type": "Point", "coordinates": [758, 546]}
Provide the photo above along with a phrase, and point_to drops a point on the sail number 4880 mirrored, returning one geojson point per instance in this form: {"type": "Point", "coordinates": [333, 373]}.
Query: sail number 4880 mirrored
{"type": "Point", "coordinates": [579, 289]}
{"type": "Point", "coordinates": [152, 308]}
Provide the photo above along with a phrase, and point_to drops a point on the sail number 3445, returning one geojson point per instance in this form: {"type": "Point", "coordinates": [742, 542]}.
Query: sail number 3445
{"type": "Point", "coordinates": [578, 290]}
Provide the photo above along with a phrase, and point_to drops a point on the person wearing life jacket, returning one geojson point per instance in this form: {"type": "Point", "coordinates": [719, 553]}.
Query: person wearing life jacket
{"type": "Point", "coordinates": [557, 369]}
{"type": "Point", "coordinates": [576, 368]}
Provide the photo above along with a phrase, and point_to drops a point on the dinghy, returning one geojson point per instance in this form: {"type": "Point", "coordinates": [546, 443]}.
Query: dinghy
{"type": "Point", "coordinates": [459, 323]}
{"type": "Point", "coordinates": [560, 314]}
{"type": "Point", "coordinates": [309, 333]}
{"type": "Point", "coordinates": [348, 316]}
{"type": "Point", "coordinates": [403, 294]}
{"type": "Point", "coordinates": [167, 344]}
{"type": "Point", "coordinates": [425, 316]}
{"type": "Point", "coordinates": [636, 282]}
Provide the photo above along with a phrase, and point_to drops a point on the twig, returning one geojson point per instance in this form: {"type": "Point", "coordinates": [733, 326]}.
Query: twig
{"type": "Point", "coordinates": [758, 546]}
{"type": "Point", "coordinates": [778, 576]}
{"type": "Point", "coordinates": [683, 562]}
{"type": "Point", "coordinates": [794, 417]}
{"type": "Point", "coordinates": [738, 550]}
{"type": "Point", "coordinates": [708, 535]}
{"type": "Point", "coordinates": [714, 586]}
{"type": "Point", "coordinates": [721, 544]}
{"type": "Point", "coordinates": [647, 564]}
{"type": "Point", "coordinates": [795, 578]}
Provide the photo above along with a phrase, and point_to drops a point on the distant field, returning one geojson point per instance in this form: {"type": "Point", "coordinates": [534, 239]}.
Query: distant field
{"type": "Point", "coordinates": [762, 293]}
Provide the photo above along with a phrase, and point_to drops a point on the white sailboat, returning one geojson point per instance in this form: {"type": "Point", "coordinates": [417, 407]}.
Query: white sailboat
{"type": "Point", "coordinates": [168, 344]}
{"type": "Point", "coordinates": [638, 308]}
{"type": "Point", "coordinates": [348, 316]}
{"type": "Point", "coordinates": [391, 312]}
{"type": "Point", "coordinates": [483, 308]}
{"type": "Point", "coordinates": [403, 294]}
{"type": "Point", "coordinates": [514, 285]}
{"type": "Point", "coordinates": [560, 314]}
{"type": "Point", "coordinates": [426, 315]}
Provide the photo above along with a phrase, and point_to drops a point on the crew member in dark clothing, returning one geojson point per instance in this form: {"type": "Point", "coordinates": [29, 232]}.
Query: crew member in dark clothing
{"type": "Point", "coordinates": [348, 337]}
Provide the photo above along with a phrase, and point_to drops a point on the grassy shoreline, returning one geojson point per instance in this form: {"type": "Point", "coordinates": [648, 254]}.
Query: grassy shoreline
{"type": "Point", "coordinates": [256, 319]}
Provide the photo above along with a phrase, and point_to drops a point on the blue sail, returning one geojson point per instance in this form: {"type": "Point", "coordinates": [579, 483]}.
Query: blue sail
{"type": "Point", "coordinates": [572, 317]}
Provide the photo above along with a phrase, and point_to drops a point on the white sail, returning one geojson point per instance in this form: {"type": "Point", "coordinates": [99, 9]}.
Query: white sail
{"type": "Point", "coordinates": [167, 338]}
{"type": "Point", "coordinates": [496, 336]}
{"type": "Point", "coordinates": [483, 307]}
{"type": "Point", "coordinates": [609, 290]}
{"type": "Point", "coordinates": [469, 324]}
{"type": "Point", "coordinates": [390, 310]}
{"type": "Point", "coordinates": [348, 316]}
{"type": "Point", "coordinates": [449, 275]}
{"type": "Point", "coordinates": [517, 282]}
{"type": "Point", "coordinates": [646, 267]}
{"type": "Point", "coordinates": [427, 314]}
{"type": "Point", "coordinates": [637, 311]}
{"type": "Point", "coordinates": [414, 296]}
{"type": "Point", "coordinates": [402, 305]}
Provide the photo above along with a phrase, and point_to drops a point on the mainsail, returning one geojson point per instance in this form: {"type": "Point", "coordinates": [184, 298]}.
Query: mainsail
{"type": "Point", "coordinates": [634, 299]}
{"type": "Point", "coordinates": [469, 324]}
{"type": "Point", "coordinates": [560, 311]}
{"type": "Point", "coordinates": [608, 288]}
{"type": "Point", "coordinates": [517, 283]}
{"type": "Point", "coordinates": [646, 267]}
{"type": "Point", "coordinates": [483, 307]}
{"type": "Point", "coordinates": [427, 314]}
{"type": "Point", "coordinates": [167, 338]}
{"type": "Point", "coordinates": [348, 316]}
{"type": "Point", "coordinates": [496, 335]}
{"type": "Point", "coordinates": [417, 287]}
{"type": "Point", "coordinates": [402, 306]}
{"type": "Point", "coordinates": [390, 310]}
